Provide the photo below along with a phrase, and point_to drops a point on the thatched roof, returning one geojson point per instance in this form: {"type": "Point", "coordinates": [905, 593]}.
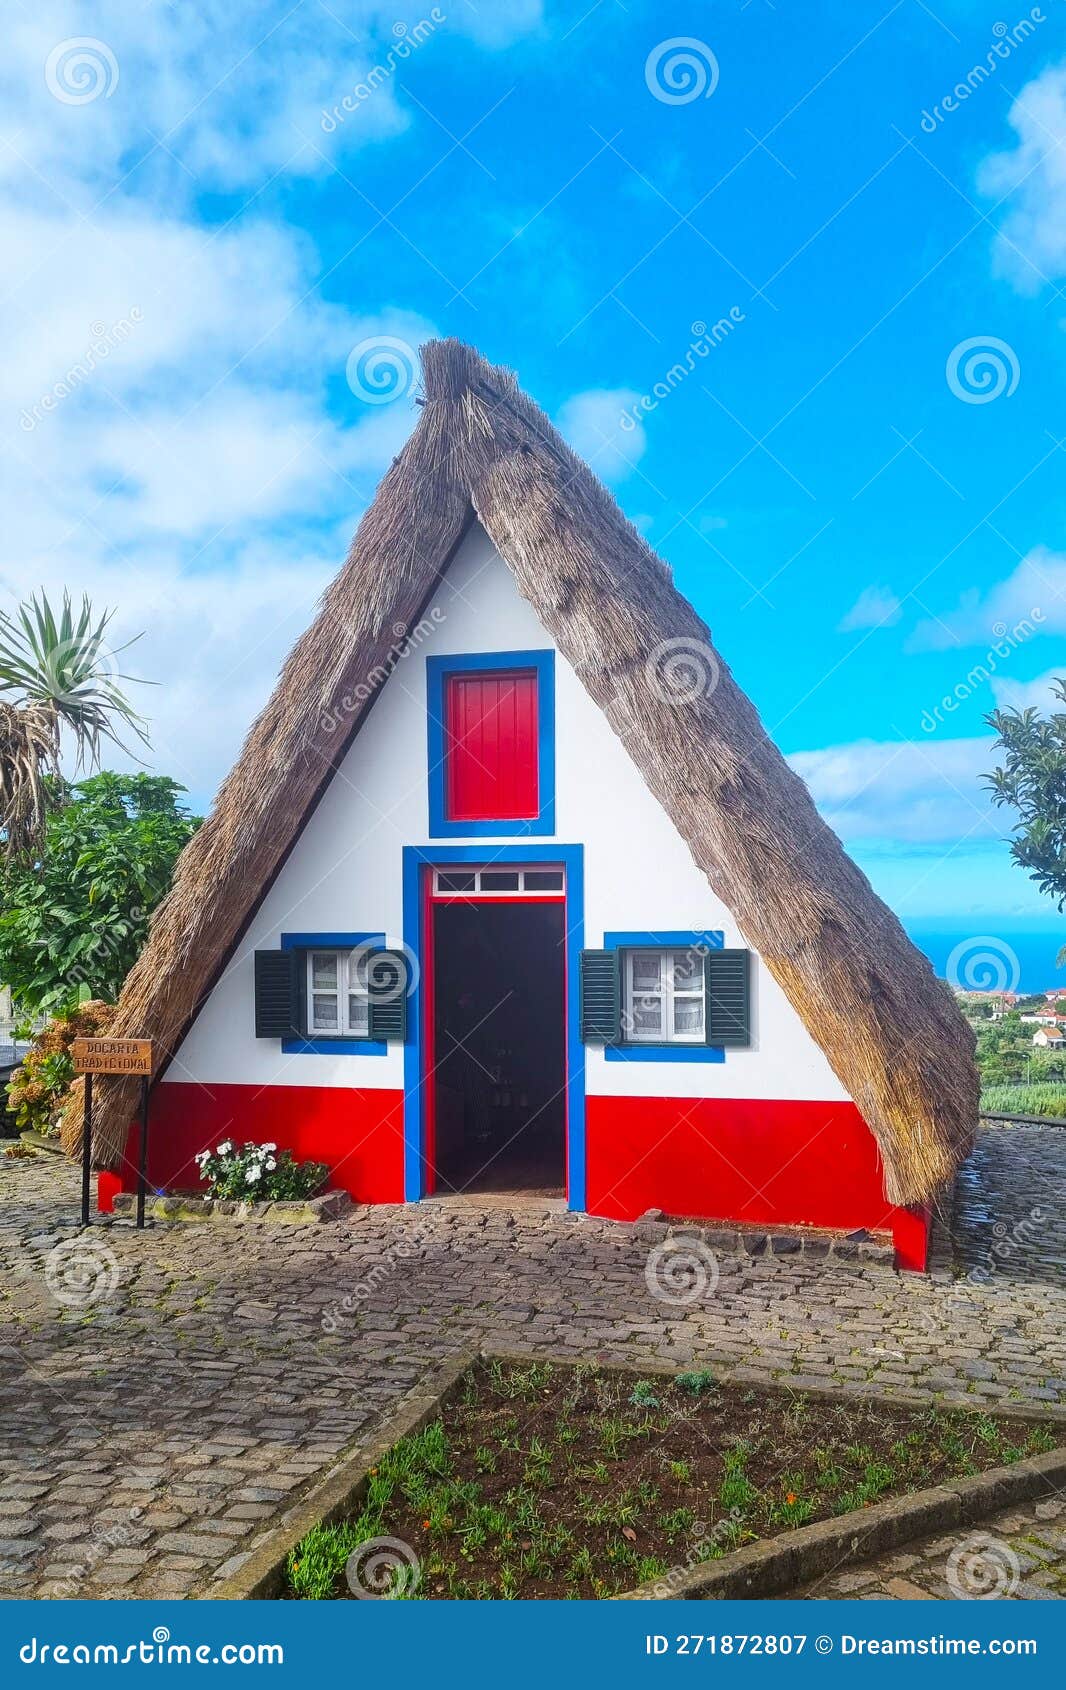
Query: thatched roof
{"type": "Point", "coordinates": [889, 1028]}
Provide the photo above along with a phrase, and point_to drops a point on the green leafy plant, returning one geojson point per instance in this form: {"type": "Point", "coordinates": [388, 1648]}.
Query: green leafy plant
{"type": "Point", "coordinates": [1032, 782]}
{"type": "Point", "coordinates": [73, 923]}
{"type": "Point", "coordinates": [258, 1173]}
{"type": "Point", "coordinates": [38, 1089]}
{"type": "Point", "coordinates": [695, 1384]}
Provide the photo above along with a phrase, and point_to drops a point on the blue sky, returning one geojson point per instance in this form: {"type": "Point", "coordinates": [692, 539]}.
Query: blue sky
{"type": "Point", "coordinates": [857, 518]}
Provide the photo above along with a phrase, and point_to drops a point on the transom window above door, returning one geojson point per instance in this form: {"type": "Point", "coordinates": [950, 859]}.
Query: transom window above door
{"type": "Point", "coordinates": [664, 997]}
{"type": "Point", "coordinates": [498, 882]}
{"type": "Point", "coordinates": [491, 744]}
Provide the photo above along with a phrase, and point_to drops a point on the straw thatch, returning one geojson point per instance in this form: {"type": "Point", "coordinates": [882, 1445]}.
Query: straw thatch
{"type": "Point", "coordinates": [889, 1028]}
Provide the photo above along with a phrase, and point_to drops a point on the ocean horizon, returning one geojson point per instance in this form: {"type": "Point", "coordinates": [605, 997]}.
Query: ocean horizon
{"type": "Point", "coordinates": [986, 956]}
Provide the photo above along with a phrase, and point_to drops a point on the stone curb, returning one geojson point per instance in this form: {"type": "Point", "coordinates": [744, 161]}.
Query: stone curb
{"type": "Point", "coordinates": [779, 1565]}
{"type": "Point", "coordinates": [768, 1568]}
{"type": "Point", "coordinates": [808, 1243]}
{"type": "Point", "coordinates": [259, 1572]}
{"type": "Point", "coordinates": [200, 1211]}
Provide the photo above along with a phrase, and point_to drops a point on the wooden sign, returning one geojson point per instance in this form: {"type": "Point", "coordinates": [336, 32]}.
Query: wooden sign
{"type": "Point", "coordinates": [112, 1056]}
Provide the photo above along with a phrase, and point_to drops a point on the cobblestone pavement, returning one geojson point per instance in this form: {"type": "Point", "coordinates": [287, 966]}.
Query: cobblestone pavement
{"type": "Point", "coordinates": [1018, 1555]}
{"type": "Point", "coordinates": [149, 1435]}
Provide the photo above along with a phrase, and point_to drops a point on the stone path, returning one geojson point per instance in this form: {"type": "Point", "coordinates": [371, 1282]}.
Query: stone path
{"type": "Point", "coordinates": [163, 1395]}
{"type": "Point", "coordinates": [1019, 1555]}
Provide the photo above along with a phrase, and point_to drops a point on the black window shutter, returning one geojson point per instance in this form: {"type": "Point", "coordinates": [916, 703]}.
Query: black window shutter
{"type": "Point", "coordinates": [727, 974]}
{"type": "Point", "coordinates": [388, 984]}
{"type": "Point", "coordinates": [277, 996]}
{"type": "Point", "coordinates": [601, 1010]}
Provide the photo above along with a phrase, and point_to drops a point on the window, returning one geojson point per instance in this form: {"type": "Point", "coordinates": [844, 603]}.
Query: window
{"type": "Point", "coordinates": [491, 727]}
{"type": "Point", "coordinates": [338, 1001]}
{"type": "Point", "coordinates": [500, 883]}
{"type": "Point", "coordinates": [664, 997]}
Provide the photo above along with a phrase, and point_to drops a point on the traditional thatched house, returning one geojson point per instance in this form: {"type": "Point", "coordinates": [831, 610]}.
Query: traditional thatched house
{"type": "Point", "coordinates": [509, 889]}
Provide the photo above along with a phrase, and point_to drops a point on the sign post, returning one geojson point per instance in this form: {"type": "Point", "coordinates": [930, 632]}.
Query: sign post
{"type": "Point", "coordinates": [112, 1056]}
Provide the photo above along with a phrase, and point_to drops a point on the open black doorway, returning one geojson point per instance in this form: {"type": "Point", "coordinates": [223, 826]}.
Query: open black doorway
{"type": "Point", "coordinates": [500, 1047]}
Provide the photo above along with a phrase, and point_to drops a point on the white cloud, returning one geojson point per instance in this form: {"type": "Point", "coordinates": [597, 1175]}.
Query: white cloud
{"type": "Point", "coordinates": [1031, 246]}
{"type": "Point", "coordinates": [592, 423]}
{"type": "Point", "coordinates": [1025, 695]}
{"type": "Point", "coordinates": [216, 94]}
{"type": "Point", "coordinates": [875, 607]}
{"type": "Point", "coordinates": [903, 790]}
{"type": "Point", "coordinates": [1032, 600]}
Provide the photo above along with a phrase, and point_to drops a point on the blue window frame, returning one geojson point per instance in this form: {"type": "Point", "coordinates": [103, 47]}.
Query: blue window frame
{"type": "Point", "coordinates": [438, 671]}
{"type": "Point", "coordinates": [323, 1044]}
{"type": "Point", "coordinates": [665, 940]}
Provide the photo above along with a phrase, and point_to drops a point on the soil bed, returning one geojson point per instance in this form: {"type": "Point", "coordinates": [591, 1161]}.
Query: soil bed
{"type": "Point", "coordinates": [554, 1481]}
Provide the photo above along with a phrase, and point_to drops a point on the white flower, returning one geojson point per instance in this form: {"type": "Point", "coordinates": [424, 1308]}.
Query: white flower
{"type": "Point", "coordinates": [268, 1147]}
{"type": "Point", "coordinates": [252, 1175]}
{"type": "Point", "coordinates": [271, 1164]}
{"type": "Point", "coordinates": [225, 1148]}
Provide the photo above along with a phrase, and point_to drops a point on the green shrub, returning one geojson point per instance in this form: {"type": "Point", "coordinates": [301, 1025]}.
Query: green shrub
{"type": "Point", "coordinates": [259, 1172]}
{"type": "Point", "coordinates": [1024, 1100]}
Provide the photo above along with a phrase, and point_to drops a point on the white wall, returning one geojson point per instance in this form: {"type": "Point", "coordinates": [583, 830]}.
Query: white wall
{"type": "Point", "coordinates": [344, 874]}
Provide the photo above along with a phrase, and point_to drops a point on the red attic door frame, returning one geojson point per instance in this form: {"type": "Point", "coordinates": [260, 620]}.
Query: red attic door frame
{"type": "Point", "coordinates": [491, 724]}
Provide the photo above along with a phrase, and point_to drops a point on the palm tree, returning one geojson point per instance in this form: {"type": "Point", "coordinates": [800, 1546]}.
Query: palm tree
{"type": "Point", "coordinates": [61, 675]}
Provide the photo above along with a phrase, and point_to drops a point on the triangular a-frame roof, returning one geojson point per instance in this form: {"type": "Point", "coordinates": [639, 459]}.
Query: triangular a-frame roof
{"type": "Point", "coordinates": [482, 450]}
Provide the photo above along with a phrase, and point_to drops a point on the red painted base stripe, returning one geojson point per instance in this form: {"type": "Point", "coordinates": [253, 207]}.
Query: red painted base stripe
{"type": "Point", "coordinates": [759, 1162]}
{"type": "Point", "coordinates": [358, 1133]}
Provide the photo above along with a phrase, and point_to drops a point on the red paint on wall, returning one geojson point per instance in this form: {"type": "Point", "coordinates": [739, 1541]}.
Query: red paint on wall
{"type": "Point", "coordinates": [491, 724]}
{"type": "Point", "coordinates": [108, 1185]}
{"type": "Point", "coordinates": [359, 1133]}
{"type": "Point", "coordinates": [757, 1162]}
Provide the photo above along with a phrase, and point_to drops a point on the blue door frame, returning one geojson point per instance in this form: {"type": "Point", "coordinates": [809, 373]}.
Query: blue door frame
{"type": "Point", "coordinates": [418, 858]}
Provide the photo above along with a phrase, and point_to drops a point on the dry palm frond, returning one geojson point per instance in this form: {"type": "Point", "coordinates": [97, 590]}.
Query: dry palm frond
{"type": "Point", "coordinates": [29, 753]}
{"type": "Point", "coordinates": [869, 999]}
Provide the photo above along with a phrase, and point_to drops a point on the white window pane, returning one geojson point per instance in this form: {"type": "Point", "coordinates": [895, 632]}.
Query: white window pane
{"type": "Point", "coordinates": [358, 1013]}
{"type": "Point", "coordinates": [647, 1017]}
{"type": "Point", "coordinates": [647, 970]}
{"type": "Point", "coordinates": [688, 970]}
{"type": "Point", "coordinates": [688, 1015]}
{"type": "Point", "coordinates": [358, 965]}
{"type": "Point", "coordinates": [323, 1013]}
{"type": "Point", "coordinates": [324, 971]}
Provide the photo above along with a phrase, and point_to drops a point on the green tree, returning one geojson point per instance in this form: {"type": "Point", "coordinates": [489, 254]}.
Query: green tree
{"type": "Point", "coordinates": [72, 924]}
{"type": "Point", "coordinates": [1032, 782]}
{"type": "Point", "coordinates": [55, 674]}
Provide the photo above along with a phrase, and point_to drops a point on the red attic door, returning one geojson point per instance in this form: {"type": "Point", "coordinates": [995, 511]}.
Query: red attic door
{"type": "Point", "coordinates": [491, 722]}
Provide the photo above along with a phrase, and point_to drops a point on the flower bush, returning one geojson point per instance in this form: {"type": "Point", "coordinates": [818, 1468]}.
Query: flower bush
{"type": "Point", "coordinates": [38, 1090]}
{"type": "Point", "coordinates": [257, 1173]}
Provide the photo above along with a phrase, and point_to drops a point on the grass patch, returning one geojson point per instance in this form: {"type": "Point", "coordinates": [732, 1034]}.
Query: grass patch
{"type": "Point", "coordinates": [578, 1482]}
